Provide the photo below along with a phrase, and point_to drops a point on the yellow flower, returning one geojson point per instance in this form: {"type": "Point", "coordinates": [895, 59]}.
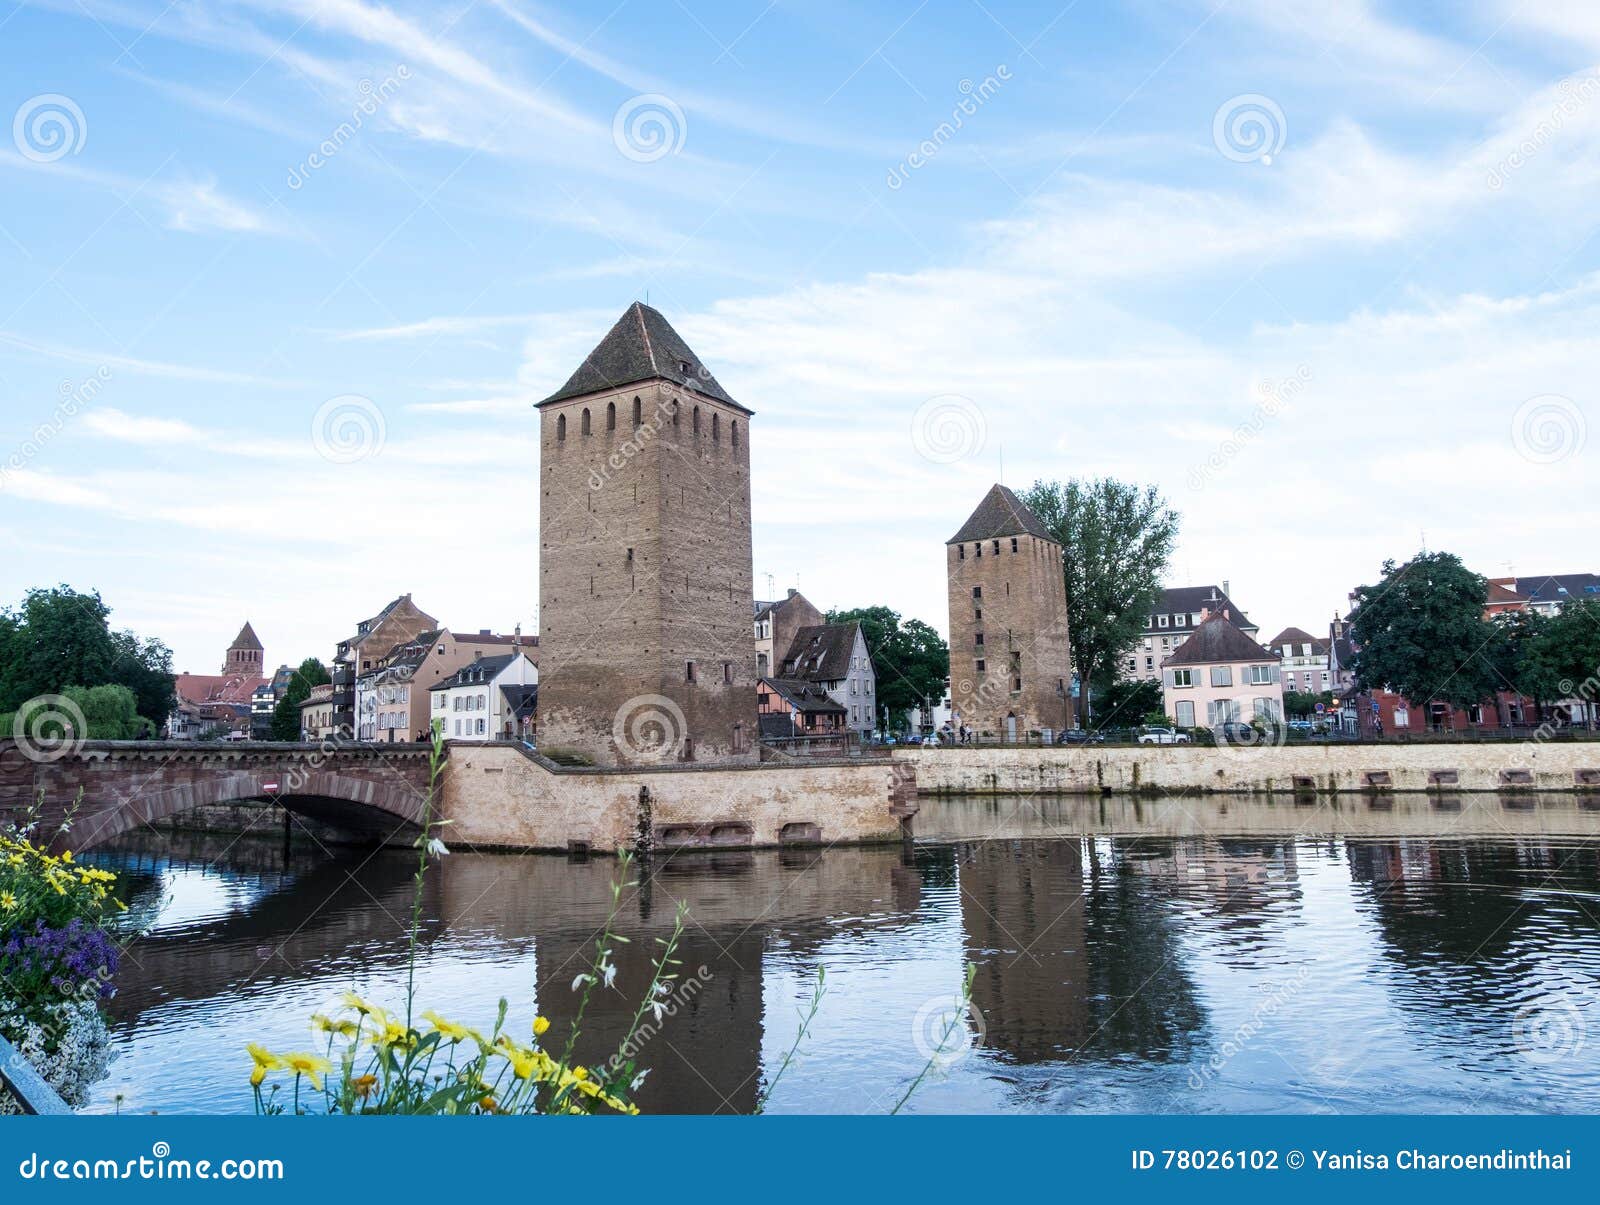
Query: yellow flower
{"type": "Point", "coordinates": [344, 1028]}
{"type": "Point", "coordinates": [364, 1084]}
{"type": "Point", "coordinates": [456, 1033]}
{"type": "Point", "coordinates": [525, 1063]}
{"type": "Point", "coordinates": [393, 1033]}
{"type": "Point", "coordinates": [351, 1000]}
{"type": "Point", "coordinates": [263, 1057]}
{"type": "Point", "coordinates": [309, 1065]}
{"type": "Point", "coordinates": [540, 1025]}
{"type": "Point", "coordinates": [7, 901]}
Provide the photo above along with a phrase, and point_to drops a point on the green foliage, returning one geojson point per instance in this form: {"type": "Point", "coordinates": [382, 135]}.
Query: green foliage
{"type": "Point", "coordinates": [1123, 701]}
{"type": "Point", "coordinates": [286, 715]}
{"type": "Point", "coordinates": [1421, 632]}
{"type": "Point", "coordinates": [1301, 703]}
{"type": "Point", "coordinates": [1116, 541]}
{"type": "Point", "coordinates": [1569, 651]}
{"type": "Point", "coordinates": [59, 638]}
{"type": "Point", "coordinates": [110, 713]}
{"type": "Point", "coordinates": [910, 659]}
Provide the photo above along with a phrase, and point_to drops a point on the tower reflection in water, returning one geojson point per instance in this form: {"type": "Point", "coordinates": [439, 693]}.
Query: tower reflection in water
{"type": "Point", "coordinates": [1120, 944]}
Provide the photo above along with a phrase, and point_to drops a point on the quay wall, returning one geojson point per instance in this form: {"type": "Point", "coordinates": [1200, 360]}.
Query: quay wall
{"type": "Point", "coordinates": [496, 796]}
{"type": "Point", "coordinates": [1324, 769]}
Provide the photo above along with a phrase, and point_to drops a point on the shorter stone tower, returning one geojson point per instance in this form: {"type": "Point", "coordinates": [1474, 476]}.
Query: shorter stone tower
{"type": "Point", "coordinates": [1010, 664]}
{"type": "Point", "coordinates": [245, 655]}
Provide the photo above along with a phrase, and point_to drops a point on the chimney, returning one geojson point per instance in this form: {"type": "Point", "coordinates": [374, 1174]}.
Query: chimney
{"type": "Point", "coordinates": [483, 631]}
{"type": "Point", "coordinates": [793, 592]}
{"type": "Point", "coordinates": [1227, 592]}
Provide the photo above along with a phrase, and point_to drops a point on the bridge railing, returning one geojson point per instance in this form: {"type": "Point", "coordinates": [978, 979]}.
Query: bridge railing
{"type": "Point", "coordinates": [22, 1081]}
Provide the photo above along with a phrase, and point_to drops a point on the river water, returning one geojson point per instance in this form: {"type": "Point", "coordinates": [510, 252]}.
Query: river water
{"type": "Point", "coordinates": [1189, 956]}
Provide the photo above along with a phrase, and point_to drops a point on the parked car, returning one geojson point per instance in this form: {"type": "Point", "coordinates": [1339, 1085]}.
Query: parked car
{"type": "Point", "coordinates": [1079, 736]}
{"type": "Point", "coordinates": [1232, 732]}
{"type": "Point", "coordinates": [931, 741]}
{"type": "Point", "coordinates": [1299, 726]}
{"type": "Point", "coordinates": [1163, 736]}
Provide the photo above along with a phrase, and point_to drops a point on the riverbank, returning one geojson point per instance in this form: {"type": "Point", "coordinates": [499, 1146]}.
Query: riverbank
{"type": "Point", "coordinates": [1287, 769]}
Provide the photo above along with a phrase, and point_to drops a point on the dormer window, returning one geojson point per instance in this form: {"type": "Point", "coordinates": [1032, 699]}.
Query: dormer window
{"type": "Point", "coordinates": [686, 368]}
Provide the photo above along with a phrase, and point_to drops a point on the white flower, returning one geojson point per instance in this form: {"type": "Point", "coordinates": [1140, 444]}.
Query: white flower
{"type": "Point", "coordinates": [638, 1079]}
{"type": "Point", "coordinates": [582, 979]}
{"type": "Point", "coordinates": [436, 848]}
{"type": "Point", "coordinates": [610, 973]}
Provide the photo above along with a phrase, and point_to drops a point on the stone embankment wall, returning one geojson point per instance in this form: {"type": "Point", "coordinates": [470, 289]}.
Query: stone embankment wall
{"type": "Point", "coordinates": [1537, 766]}
{"type": "Point", "coordinates": [498, 796]}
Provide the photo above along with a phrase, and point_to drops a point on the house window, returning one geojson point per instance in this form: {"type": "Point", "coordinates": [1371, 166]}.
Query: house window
{"type": "Point", "coordinates": [1183, 713]}
{"type": "Point", "coordinates": [1222, 711]}
{"type": "Point", "coordinates": [1161, 620]}
{"type": "Point", "coordinates": [1262, 675]}
{"type": "Point", "coordinates": [997, 548]}
{"type": "Point", "coordinates": [1222, 675]}
{"type": "Point", "coordinates": [1183, 677]}
{"type": "Point", "coordinates": [1266, 710]}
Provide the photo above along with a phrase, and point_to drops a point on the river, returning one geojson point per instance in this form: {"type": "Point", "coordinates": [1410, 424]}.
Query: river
{"type": "Point", "coordinates": [1190, 956]}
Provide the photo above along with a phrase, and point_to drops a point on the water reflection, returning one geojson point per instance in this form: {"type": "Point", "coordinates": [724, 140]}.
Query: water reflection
{"type": "Point", "coordinates": [1133, 955]}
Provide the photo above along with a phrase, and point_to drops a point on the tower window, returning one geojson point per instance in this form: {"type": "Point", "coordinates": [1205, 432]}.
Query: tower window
{"type": "Point", "coordinates": [978, 665]}
{"type": "Point", "coordinates": [733, 433]}
{"type": "Point", "coordinates": [996, 543]}
{"type": "Point", "coordinates": [561, 426]}
{"type": "Point", "coordinates": [697, 420]}
{"type": "Point", "coordinates": [638, 412]}
{"type": "Point", "coordinates": [716, 428]}
{"type": "Point", "coordinates": [586, 420]}
{"type": "Point", "coordinates": [1013, 543]}
{"type": "Point", "coordinates": [689, 673]}
{"type": "Point", "coordinates": [727, 672]}
{"type": "Point", "coordinates": [611, 419]}
{"type": "Point", "coordinates": [977, 592]}
{"type": "Point", "coordinates": [961, 552]}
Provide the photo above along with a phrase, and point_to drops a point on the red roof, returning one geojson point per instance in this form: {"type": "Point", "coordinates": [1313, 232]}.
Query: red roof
{"type": "Point", "coordinates": [216, 688]}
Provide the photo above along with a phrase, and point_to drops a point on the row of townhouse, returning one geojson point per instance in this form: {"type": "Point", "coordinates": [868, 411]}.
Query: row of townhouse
{"type": "Point", "coordinates": [813, 678]}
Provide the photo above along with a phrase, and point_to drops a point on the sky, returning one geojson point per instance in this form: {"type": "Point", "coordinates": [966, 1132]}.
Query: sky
{"type": "Point", "coordinates": [283, 281]}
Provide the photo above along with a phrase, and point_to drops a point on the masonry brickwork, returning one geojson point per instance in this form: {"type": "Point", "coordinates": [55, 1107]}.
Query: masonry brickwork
{"type": "Point", "coordinates": [1010, 662]}
{"type": "Point", "coordinates": [647, 649]}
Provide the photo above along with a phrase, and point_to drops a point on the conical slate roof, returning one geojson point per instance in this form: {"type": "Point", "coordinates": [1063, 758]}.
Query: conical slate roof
{"type": "Point", "coordinates": [1001, 513]}
{"type": "Point", "coordinates": [246, 639]}
{"type": "Point", "coordinates": [1218, 640]}
{"type": "Point", "coordinates": [642, 346]}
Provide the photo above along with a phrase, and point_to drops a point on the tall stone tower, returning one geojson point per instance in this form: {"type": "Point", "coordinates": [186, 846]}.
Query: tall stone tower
{"type": "Point", "coordinates": [1010, 664]}
{"type": "Point", "coordinates": [245, 656]}
{"type": "Point", "coordinates": [647, 652]}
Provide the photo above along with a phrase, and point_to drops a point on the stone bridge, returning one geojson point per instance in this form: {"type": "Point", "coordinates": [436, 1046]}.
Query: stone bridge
{"type": "Point", "coordinates": [372, 790]}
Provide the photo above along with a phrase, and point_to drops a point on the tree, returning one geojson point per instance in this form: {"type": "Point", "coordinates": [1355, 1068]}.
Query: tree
{"type": "Point", "coordinates": [1421, 632]}
{"type": "Point", "coordinates": [1570, 651]}
{"type": "Point", "coordinates": [1299, 703]}
{"type": "Point", "coordinates": [1116, 541]}
{"type": "Point", "coordinates": [910, 660]}
{"type": "Point", "coordinates": [1128, 702]}
{"type": "Point", "coordinates": [109, 713]}
{"type": "Point", "coordinates": [286, 715]}
{"type": "Point", "coordinates": [59, 638]}
{"type": "Point", "coordinates": [1522, 656]}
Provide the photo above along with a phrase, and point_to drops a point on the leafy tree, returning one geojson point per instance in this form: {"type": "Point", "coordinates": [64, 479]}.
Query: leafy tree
{"type": "Point", "coordinates": [1421, 632]}
{"type": "Point", "coordinates": [59, 638]}
{"type": "Point", "coordinates": [1570, 651]}
{"type": "Point", "coordinates": [286, 715]}
{"type": "Point", "coordinates": [1297, 703]}
{"type": "Point", "coordinates": [110, 713]}
{"type": "Point", "coordinates": [1522, 656]}
{"type": "Point", "coordinates": [1125, 702]}
{"type": "Point", "coordinates": [1116, 541]}
{"type": "Point", "coordinates": [909, 658]}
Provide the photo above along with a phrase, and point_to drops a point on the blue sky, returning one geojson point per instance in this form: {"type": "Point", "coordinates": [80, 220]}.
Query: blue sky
{"type": "Point", "coordinates": [1325, 272]}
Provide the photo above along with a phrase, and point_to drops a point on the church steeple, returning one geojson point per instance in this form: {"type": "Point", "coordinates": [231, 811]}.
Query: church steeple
{"type": "Point", "coordinates": [245, 654]}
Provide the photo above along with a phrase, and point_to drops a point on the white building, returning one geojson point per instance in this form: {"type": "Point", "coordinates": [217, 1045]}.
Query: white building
{"type": "Point", "coordinates": [834, 656]}
{"type": "Point", "coordinates": [475, 703]}
{"type": "Point", "coordinates": [1302, 661]}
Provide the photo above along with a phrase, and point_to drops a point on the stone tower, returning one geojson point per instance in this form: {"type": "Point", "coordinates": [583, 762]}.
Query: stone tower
{"type": "Point", "coordinates": [647, 652]}
{"type": "Point", "coordinates": [1010, 664]}
{"type": "Point", "coordinates": [245, 655]}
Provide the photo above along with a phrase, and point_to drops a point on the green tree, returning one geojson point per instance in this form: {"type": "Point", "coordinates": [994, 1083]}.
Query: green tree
{"type": "Point", "coordinates": [1421, 632]}
{"type": "Point", "coordinates": [1128, 702]}
{"type": "Point", "coordinates": [110, 713]}
{"type": "Point", "coordinates": [909, 658]}
{"type": "Point", "coordinates": [1116, 539]}
{"type": "Point", "coordinates": [1569, 650]}
{"type": "Point", "coordinates": [286, 715]}
{"type": "Point", "coordinates": [1301, 703]}
{"type": "Point", "coordinates": [59, 638]}
{"type": "Point", "coordinates": [1522, 656]}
